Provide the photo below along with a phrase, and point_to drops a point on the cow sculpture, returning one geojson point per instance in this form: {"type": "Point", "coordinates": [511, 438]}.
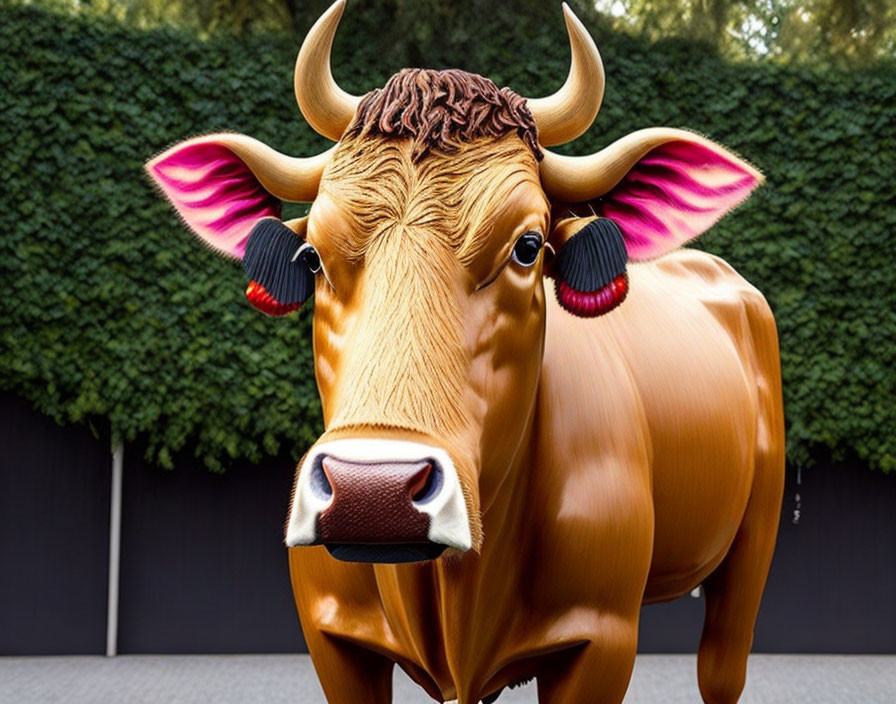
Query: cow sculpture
{"type": "Point", "coordinates": [508, 472]}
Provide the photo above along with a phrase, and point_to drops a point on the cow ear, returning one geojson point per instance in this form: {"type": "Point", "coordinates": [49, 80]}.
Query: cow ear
{"type": "Point", "coordinates": [663, 187]}
{"type": "Point", "coordinates": [280, 265]}
{"type": "Point", "coordinates": [223, 184]}
{"type": "Point", "coordinates": [589, 270]}
{"type": "Point", "coordinates": [218, 196]}
{"type": "Point", "coordinates": [674, 193]}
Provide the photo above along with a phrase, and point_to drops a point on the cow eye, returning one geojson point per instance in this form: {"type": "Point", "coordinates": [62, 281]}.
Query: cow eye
{"type": "Point", "coordinates": [309, 257]}
{"type": "Point", "coordinates": [526, 249]}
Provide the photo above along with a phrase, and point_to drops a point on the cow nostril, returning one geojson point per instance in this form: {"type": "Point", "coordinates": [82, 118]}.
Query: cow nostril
{"type": "Point", "coordinates": [429, 483]}
{"type": "Point", "coordinates": [320, 482]}
{"type": "Point", "coordinates": [422, 481]}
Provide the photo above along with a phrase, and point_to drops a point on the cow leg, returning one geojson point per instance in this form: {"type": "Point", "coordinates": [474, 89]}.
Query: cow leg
{"type": "Point", "coordinates": [349, 673]}
{"type": "Point", "coordinates": [734, 590]}
{"type": "Point", "coordinates": [733, 593]}
{"type": "Point", "coordinates": [598, 672]}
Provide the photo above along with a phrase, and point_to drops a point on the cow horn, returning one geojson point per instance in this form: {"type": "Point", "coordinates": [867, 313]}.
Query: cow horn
{"type": "Point", "coordinates": [294, 179]}
{"type": "Point", "coordinates": [576, 179]}
{"type": "Point", "coordinates": [327, 107]}
{"type": "Point", "coordinates": [566, 114]}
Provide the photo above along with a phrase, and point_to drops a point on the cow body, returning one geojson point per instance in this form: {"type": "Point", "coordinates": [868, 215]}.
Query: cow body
{"type": "Point", "coordinates": [618, 496]}
{"type": "Point", "coordinates": [509, 470]}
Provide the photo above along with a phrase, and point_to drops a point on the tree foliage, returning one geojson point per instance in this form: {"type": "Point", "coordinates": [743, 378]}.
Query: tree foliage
{"type": "Point", "coordinates": [842, 31]}
{"type": "Point", "coordinates": [113, 314]}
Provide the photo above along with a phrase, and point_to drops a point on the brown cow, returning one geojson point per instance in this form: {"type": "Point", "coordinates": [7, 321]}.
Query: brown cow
{"type": "Point", "coordinates": [544, 473]}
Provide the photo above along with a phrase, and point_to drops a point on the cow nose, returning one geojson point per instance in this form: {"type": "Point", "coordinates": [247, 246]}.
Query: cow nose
{"type": "Point", "coordinates": [378, 500]}
{"type": "Point", "coordinates": [374, 502]}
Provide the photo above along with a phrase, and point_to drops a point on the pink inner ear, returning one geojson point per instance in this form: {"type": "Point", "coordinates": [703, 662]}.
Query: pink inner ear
{"type": "Point", "coordinates": [675, 193]}
{"type": "Point", "coordinates": [215, 193]}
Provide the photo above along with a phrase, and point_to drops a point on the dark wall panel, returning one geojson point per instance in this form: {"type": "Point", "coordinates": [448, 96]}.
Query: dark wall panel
{"type": "Point", "coordinates": [54, 525]}
{"type": "Point", "coordinates": [673, 627]}
{"type": "Point", "coordinates": [832, 585]}
{"type": "Point", "coordinates": [204, 568]}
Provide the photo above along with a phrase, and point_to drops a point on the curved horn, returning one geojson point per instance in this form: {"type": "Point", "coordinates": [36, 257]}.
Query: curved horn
{"type": "Point", "coordinates": [576, 179]}
{"type": "Point", "coordinates": [327, 107]}
{"type": "Point", "coordinates": [566, 114]}
{"type": "Point", "coordinates": [289, 178]}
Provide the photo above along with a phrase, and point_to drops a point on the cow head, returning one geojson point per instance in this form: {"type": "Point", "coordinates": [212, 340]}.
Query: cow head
{"type": "Point", "coordinates": [434, 220]}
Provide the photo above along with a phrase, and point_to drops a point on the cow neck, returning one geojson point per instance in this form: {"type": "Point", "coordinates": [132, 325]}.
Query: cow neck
{"type": "Point", "coordinates": [453, 616]}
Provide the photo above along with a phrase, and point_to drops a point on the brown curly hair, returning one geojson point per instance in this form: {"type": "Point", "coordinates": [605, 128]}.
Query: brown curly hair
{"type": "Point", "coordinates": [442, 109]}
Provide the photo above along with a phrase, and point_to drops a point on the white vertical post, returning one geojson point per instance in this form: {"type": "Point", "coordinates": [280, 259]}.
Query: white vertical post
{"type": "Point", "coordinates": [114, 549]}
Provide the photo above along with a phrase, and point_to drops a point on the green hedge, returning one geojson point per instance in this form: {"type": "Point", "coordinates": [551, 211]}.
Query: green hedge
{"type": "Point", "coordinates": [112, 314]}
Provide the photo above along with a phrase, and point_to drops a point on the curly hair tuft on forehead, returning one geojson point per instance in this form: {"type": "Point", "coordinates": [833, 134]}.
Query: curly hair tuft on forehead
{"type": "Point", "coordinates": [442, 109]}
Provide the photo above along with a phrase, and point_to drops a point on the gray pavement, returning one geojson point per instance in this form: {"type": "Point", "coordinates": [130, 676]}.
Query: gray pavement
{"type": "Point", "coordinates": [275, 679]}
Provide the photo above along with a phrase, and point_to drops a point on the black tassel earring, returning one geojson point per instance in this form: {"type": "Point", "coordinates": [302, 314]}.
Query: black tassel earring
{"type": "Point", "coordinates": [589, 275]}
{"type": "Point", "coordinates": [280, 267]}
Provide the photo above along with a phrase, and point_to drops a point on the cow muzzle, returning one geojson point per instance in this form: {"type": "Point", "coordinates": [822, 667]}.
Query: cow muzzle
{"type": "Point", "coordinates": [377, 500]}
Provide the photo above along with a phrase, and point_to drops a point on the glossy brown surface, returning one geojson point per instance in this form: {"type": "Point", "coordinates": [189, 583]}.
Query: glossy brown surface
{"type": "Point", "coordinates": [609, 462]}
{"type": "Point", "coordinates": [604, 462]}
{"type": "Point", "coordinates": [590, 464]}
